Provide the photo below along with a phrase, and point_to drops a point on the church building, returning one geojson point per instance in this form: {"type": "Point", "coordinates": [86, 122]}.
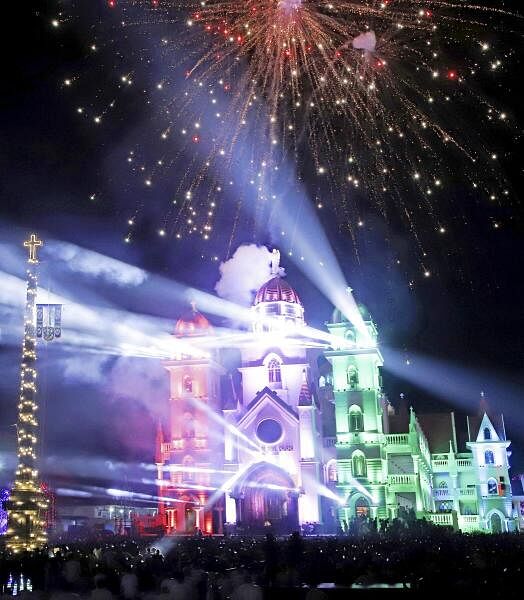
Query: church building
{"type": "Point", "coordinates": [300, 433]}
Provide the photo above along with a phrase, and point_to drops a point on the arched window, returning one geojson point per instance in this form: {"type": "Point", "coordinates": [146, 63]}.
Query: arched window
{"type": "Point", "coordinates": [493, 489]}
{"type": "Point", "coordinates": [273, 371]}
{"type": "Point", "coordinates": [352, 377]}
{"type": "Point", "coordinates": [355, 419]}
{"type": "Point", "coordinates": [332, 474]}
{"type": "Point", "coordinates": [489, 458]}
{"type": "Point", "coordinates": [188, 384]}
{"type": "Point", "coordinates": [188, 465]}
{"type": "Point", "coordinates": [487, 433]}
{"type": "Point", "coordinates": [349, 335]}
{"type": "Point", "coordinates": [358, 463]}
{"type": "Point", "coordinates": [188, 426]}
{"type": "Point", "coordinates": [443, 485]}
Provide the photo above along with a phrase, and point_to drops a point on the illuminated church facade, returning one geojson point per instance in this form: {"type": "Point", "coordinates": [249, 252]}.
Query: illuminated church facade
{"type": "Point", "coordinates": [301, 434]}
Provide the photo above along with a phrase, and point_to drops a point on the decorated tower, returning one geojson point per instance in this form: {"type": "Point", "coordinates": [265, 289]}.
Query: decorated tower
{"type": "Point", "coordinates": [186, 461]}
{"type": "Point", "coordinates": [276, 445]}
{"type": "Point", "coordinates": [361, 462]}
{"type": "Point", "coordinates": [27, 505]}
{"type": "Point", "coordinates": [489, 447]}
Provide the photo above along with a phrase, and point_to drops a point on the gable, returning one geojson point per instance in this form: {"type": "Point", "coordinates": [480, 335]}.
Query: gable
{"type": "Point", "coordinates": [487, 426]}
{"type": "Point", "coordinates": [264, 398]}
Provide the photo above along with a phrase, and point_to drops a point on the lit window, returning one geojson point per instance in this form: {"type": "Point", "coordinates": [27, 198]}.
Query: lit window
{"type": "Point", "coordinates": [188, 426]}
{"type": "Point", "coordinates": [188, 465]}
{"type": "Point", "coordinates": [188, 384]}
{"type": "Point", "coordinates": [274, 374]}
{"type": "Point", "coordinates": [355, 419]}
{"type": "Point", "coordinates": [493, 489]}
{"type": "Point", "coordinates": [359, 464]}
{"type": "Point", "coordinates": [489, 458]}
{"type": "Point", "coordinates": [332, 475]}
{"type": "Point", "coordinates": [352, 377]}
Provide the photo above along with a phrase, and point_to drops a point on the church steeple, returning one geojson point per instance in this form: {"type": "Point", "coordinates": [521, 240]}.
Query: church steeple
{"type": "Point", "coordinates": [305, 397]}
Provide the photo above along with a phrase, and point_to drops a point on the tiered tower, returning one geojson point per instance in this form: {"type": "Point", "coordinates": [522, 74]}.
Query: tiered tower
{"type": "Point", "coordinates": [356, 382]}
{"type": "Point", "coordinates": [26, 527]}
{"type": "Point", "coordinates": [186, 462]}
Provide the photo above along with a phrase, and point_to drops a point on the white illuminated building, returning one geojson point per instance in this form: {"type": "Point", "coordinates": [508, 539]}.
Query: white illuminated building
{"type": "Point", "coordinates": [296, 430]}
{"type": "Point", "coordinates": [279, 412]}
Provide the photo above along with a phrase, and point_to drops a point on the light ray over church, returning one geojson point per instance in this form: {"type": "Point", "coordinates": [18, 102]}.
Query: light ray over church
{"type": "Point", "coordinates": [302, 434]}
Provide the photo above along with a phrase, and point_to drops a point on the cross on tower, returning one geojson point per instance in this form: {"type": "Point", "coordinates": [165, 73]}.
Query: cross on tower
{"type": "Point", "coordinates": [33, 243]}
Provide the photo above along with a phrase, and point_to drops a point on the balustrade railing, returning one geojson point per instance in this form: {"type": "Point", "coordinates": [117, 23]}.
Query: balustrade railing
{"type": "Point", "coordinates": [401, 479]}
{"type": "Point", "coordinates": [440, 518]}
{"type": "Point", "coordinates": [397, 439]}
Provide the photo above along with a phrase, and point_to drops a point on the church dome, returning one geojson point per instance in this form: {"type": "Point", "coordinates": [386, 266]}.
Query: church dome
{"type": "Point", "coordinates": [193, 323]}
{"type": "Point", "coordinates": [277, 290]}
{"type": "Point", "coordinates": [277, 305]}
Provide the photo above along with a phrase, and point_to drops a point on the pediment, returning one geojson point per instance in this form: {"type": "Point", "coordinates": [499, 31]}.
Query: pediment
{"type": "Point", "coordinates": [262, 400]}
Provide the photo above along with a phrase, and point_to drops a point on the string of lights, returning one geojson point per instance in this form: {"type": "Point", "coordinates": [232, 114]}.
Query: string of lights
{"type": "Point", "coordinates": [26, 527]}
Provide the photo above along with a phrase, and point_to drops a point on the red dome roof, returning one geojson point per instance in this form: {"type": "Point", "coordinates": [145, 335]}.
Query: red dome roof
{"type": "Point", "coordinates": [276, 290]}
{"type": "Point", "coordinates": [194, 323]}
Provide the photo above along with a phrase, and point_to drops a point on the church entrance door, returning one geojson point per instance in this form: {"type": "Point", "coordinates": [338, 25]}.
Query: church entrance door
{"type": "Point", "coordinates": [268, 499]}
{"type": "Point", "coordinates": [495, 523]}
{"type": "Point", "coordinates": [190, 518]}
{"type": "Point", "coordinates": [362, 508]}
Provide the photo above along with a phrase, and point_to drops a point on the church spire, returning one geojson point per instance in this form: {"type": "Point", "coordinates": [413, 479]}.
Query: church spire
{"type": "Point", "coordinates": [304, 397]}
{"type": "Point", "coordinates": [483, 404]}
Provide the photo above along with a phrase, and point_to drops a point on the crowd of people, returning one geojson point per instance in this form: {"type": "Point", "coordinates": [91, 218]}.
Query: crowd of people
{"type": "Point", "coordinates": [431, 560]}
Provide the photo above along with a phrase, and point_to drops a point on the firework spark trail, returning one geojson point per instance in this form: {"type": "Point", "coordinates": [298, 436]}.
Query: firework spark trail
{"type": "Point", "coordinates": [367, 93]}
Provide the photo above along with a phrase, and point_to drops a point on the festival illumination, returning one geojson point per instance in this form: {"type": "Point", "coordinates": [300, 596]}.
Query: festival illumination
{"type": "Point", "coordinates": [27, 504]}
{"type": "Point", "coordinates": [375, 103]}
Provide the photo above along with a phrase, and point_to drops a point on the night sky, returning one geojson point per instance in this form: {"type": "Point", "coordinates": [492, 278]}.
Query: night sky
{"type": "Point", "coordinates": [64, 178]}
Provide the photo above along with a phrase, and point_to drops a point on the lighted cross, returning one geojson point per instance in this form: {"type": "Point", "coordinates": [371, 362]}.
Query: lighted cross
{"type": "Point", "coordinates": [33, 243]}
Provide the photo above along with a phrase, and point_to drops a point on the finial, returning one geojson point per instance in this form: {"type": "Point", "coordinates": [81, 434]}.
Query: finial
{"type": "Point", "coordinates": [482, 394]}
{"type": "Point", "coordinates": [402, 395]}
{"type": "Point", "coordinates": [192, 303]}
{"type": "Point", "coordinates": [33, 243]}
{"type": "Point", "coordinates": [275, 262]}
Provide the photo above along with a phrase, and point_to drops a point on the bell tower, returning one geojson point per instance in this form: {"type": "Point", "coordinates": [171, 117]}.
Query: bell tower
{"type": "Point", "coordinates": [186, 460]}
{"type": "Point", "coordinates": [355, 359]}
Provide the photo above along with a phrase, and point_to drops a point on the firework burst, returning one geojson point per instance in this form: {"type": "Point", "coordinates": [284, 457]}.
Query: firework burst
{"type": "Point", "coordinates": [375, 103]}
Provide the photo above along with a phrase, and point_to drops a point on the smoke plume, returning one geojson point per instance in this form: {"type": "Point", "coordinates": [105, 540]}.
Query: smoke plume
{"type": "Point", "coordinates": [243, 274]}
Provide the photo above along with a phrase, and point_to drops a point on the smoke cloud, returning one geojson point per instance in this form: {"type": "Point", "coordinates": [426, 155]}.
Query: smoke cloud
{"type": "Point", "coordinates": [365, 41]}
{"type": "Point", "coordinates": [97, 265]}
{"type": "Point", "coordinates": [243, 274]}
